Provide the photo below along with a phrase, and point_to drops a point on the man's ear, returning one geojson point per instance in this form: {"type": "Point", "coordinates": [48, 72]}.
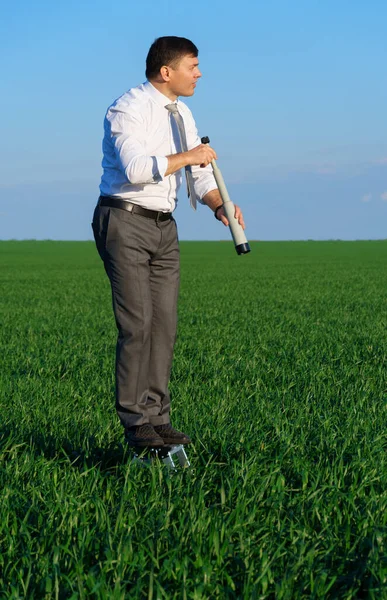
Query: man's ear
{"type": "Point", "coordinates": [164, 72]}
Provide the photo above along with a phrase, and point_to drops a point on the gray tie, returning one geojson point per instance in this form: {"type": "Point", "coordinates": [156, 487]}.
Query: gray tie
{"type": "Point", "coordinates": [172, 108]}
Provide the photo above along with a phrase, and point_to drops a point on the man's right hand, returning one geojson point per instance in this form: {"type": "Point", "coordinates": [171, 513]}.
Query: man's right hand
{"type": "Point", "coordinates": [201, 155]}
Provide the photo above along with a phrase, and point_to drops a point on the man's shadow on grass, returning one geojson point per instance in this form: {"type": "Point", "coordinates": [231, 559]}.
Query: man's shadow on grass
{"type": "Point", "coordinates": [104, 458]}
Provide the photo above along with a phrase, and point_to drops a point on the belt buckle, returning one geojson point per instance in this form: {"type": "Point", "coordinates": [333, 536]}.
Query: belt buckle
{"type": "Point", "coordinates": [159, 213]}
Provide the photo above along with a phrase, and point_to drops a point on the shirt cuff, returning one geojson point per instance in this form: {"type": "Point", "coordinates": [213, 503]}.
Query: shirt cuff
{"type": "Point", "coordinates": [200, 199]}
{"type": "Point", "coordinates": [159, 168]}
{"type": "Point", "coordinates": [204, 184]}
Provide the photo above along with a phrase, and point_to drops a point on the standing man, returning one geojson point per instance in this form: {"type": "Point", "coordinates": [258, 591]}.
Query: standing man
{"type": "Point", "coordinates": [149, 137]}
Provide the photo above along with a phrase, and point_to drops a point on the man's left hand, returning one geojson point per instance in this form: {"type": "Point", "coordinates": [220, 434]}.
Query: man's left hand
{"type": "Point", "coordinates": [238, 215]}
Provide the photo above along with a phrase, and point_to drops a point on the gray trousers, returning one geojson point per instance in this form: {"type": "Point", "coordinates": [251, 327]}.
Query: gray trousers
{"type": "Point", "coordinates": [141, 259]}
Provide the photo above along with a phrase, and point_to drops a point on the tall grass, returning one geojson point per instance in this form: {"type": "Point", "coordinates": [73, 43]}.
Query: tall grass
{"type": "Point", "coordinates": [280, 379]}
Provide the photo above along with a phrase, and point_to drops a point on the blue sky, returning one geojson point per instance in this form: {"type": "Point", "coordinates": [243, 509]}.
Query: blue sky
{"type": "Point", "coordinates": [293, 97]}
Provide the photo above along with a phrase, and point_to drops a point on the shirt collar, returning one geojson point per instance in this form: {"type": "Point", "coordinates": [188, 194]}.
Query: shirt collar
{"type": "Point", "coordinates": [158, 96]}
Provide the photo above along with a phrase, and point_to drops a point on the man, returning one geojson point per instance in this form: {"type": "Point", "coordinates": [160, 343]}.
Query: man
{"type": "Point", "coordinates": [149, 137]}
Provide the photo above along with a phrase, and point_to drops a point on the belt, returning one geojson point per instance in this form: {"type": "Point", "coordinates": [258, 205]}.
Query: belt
{"type": "Point", "coordinates": [156, 215]}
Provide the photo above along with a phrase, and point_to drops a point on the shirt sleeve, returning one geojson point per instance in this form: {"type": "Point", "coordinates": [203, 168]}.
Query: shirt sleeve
{"type": "Point", "coordinates": [204, 179]}
{"type": "Point", "coordinates": [127, 136]}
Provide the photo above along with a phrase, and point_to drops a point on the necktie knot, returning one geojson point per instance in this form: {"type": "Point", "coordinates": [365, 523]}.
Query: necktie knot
{"type": "Point", "coordinates": [172, 108]}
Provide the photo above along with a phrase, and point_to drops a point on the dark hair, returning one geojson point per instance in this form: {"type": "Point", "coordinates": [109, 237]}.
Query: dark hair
{"type": "Point", "coordinates": [167, 50]}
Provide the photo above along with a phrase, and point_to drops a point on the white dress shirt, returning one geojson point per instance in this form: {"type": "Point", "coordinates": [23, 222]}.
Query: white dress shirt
{"type": "Point", "coordinates": [138, 138]}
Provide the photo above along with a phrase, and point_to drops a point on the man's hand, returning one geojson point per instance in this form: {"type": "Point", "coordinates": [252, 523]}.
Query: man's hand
{"type": "Point", "coordinates": [220, 215]}
{"type": "Point", "coordinates": [201, 155]}
{"type": "Point", "coordinates": [213, 199]}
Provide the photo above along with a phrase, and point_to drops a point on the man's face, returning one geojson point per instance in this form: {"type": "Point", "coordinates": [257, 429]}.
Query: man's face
{"type": "Point", "coordinates": [184, 76]}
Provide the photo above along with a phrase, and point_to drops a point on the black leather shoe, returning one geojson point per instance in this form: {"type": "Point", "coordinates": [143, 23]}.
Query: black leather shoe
{"type": "Point", "coordinates": [170, 435]}
{"type": "Point", "coordinates": [143, 436]}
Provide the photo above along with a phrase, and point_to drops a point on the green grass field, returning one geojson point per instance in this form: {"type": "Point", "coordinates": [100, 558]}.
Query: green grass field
{"type": "Point", "coordinates": [279, 377]}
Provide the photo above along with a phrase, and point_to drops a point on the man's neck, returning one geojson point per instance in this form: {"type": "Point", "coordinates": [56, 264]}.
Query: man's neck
{"type": "Point", "coordinates": [164, 89]}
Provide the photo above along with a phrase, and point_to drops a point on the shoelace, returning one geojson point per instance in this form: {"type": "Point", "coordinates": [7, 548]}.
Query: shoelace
{"type": "Point", "coordinates": [147, 429]}
{"type": "Point", "coordinates": [164, 428]}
